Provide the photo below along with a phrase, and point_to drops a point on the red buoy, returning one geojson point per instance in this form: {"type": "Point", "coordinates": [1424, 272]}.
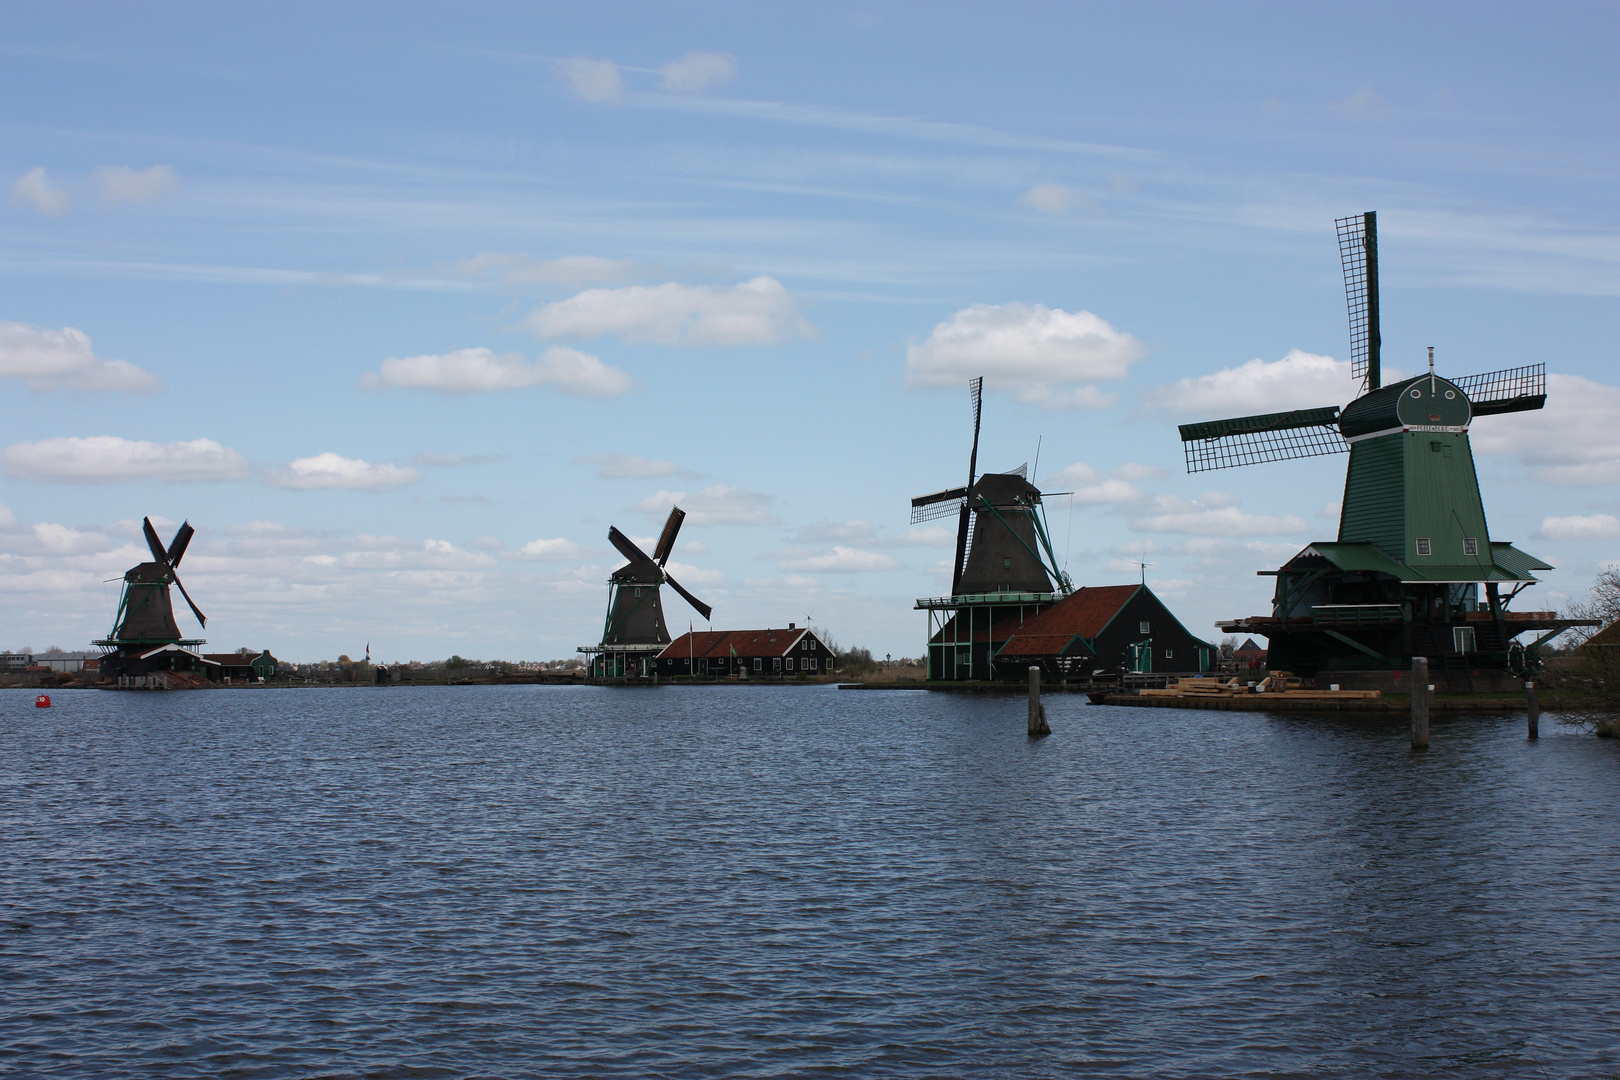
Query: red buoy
{"type": "Point", "coordinates": [43, 701]}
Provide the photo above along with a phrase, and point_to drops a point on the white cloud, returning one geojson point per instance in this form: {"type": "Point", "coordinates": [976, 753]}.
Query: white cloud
{"type": "Point", "coordinates": [941, 536]}
{"type": "Point", "coordinates": [627, 466]}
{"type": "Point", "coordinates": [63, 360]}
{"type": "Point", "coordinates": [33, 190]}
{"type": "Point", "coordinates": [331, 470]}
{"type": "Point", "coordinates": [450, 461]}
{"type": "Point", "coordinates": [1300, 380]}
{"type": "Point", "coordinates": [1364, 100]}
{"type": "Point", "coordinates": [1574, 441]}
{"type": "Point", "coordinates": [1589, 527]}
{"type": "Point", "coordinates": [826, 532]}
{"type": "Point", "coordinates": [1050, 199]}
{"type": "Point", "coordinates": [757, 312]}
{"type": "Point", "coordinates": [473, 371]}
{"type": "Point", "coordinates": [689, 575]}
{"type": "Point", "coordinates": [1171, 514]}
{"type": "Point", "coordinates": [720, 504]}
{"type": "Point", "coordinates": [1092, 487]}
{"type": "Point", "coordinates": [519, 269]}
{"type": "Point", "coordinates": [1029, 348]}
{"type": "Point", "coordinates": [597, 81]}
{"type": "Point", "coordinates": [840, 559]}
{"type": "Point", "coordinates": [555, 549]}
{"type": "Point", "coordinates": [104, 459]}
{"type": "Point", "coordinates": [121, 184]}
{"type": "Point", "coordinates": [697, 72]}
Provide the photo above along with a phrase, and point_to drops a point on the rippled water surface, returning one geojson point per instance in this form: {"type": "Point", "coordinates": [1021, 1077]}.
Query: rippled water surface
{"type": "Point", "coordinates": [774, 881]}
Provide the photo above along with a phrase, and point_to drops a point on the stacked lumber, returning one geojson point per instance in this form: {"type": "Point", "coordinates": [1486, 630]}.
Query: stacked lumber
{"type": "Point", "coordinates": [1280, 687]}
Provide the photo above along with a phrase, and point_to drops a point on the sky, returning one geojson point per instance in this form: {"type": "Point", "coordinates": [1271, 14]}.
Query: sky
{"type": "Point", "coordinates": [401, 306]}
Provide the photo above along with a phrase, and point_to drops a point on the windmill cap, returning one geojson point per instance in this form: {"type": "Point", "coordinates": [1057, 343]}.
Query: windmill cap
{"type": "Point", "coordinates": [1416, 402]}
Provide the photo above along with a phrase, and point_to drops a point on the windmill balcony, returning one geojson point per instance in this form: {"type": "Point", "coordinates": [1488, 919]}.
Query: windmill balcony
{"type": "Point", "coordinates": [1355, 614]}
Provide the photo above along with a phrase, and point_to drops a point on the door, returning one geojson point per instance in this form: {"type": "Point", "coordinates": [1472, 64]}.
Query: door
{"type": "Point", "coordinates": [1142, 656]}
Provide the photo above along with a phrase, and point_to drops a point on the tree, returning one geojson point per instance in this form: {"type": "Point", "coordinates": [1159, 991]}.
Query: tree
{"type": "Point", "coordinates": [1597, 666]}
{"type": "Point", "coordinates": [1228, 647]}
{"type": "Point", "coordinates": [1602, 602]}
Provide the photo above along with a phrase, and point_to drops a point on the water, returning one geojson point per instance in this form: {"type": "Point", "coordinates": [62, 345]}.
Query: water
{"type": "Point", "coordinates": [794, 881]}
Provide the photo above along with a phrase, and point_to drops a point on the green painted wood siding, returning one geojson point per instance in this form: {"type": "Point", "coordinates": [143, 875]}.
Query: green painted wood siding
{"type": "Point", "coordinates": [1374, 507]}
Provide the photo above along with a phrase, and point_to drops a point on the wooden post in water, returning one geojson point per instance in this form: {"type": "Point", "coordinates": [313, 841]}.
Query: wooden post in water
{"type": "Point", "coordinates": [1420, 703]}
{"type": "Point", "coordinates": [1535, 708]}
{"type": "Point", "coordinates": [1037, 712]}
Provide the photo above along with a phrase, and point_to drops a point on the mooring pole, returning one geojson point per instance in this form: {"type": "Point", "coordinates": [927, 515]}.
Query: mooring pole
{"type": "Point", "coordinates": [1037, 712]}
{"type": "Point", "coordinates": [1420, 703]}
{"type": "Point", "coordinates": [1535, 708]}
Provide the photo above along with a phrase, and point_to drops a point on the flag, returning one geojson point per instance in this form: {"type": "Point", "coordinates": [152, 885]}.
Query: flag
{"type": "Point", "coordinates": [368, 652]}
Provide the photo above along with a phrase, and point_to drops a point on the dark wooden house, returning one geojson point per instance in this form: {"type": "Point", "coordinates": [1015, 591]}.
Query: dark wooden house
{"type": "Point", "coordinates": [244, 666]}
{"type": "Point", "coordinates": [748, 654]}
{"type": "Point", "coordinates": [1107, 628]}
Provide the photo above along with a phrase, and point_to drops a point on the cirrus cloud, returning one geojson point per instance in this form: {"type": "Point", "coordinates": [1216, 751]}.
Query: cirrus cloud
{"type": "Point", "coordinates": [63, 360]}
{"type": "Point", "coordinates": [107, 459]}
{"type": "Point", "coordinates": [1032, 349]}
{"type": "Point", "coordinates": [330, 470]}
{"type": "Point", "coordinates": [476, 371]}
{"type": "Point", "coordinates": [556, 549]}
{"type": "Point", "coordinates": [627, 466]}
{"type": "Point", "coordinates": [756, 312]}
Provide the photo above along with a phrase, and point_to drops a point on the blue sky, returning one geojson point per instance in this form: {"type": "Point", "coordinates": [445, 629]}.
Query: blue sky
{"type": "Point", "coordinates": [402, 306]}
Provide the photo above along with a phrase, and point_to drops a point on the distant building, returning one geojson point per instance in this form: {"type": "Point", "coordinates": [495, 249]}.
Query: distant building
{"type": "Point", "coordinates": [747, 653]}
{"type": "Point", "coordinates": [1111, 628]}
{"type": "Point", "coordinates": [242, 665]}
{"type": "Point", "coordinates": [1249, 651]}
{"type": "Point", "coordinates": [63, 661]}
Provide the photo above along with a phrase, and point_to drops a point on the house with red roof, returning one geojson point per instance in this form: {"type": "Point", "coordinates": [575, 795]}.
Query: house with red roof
{"type": "Point", "coordinates": [747, 654]}
{"type": "Point", "coordinates": [1109, 628]}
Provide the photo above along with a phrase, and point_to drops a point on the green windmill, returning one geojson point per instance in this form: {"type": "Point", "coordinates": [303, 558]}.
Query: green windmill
{"type": "Point", "coordinates": [1403, 578]}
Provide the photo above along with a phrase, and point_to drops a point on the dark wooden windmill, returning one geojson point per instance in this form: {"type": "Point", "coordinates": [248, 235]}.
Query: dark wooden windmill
{"type": "Point", "coordinates": [145, 636]}
{"type": "Point", "coordinates": [634, 631]}
{"type": "Point", "coordinates": [1004, 571]}
{"type": "Point", "coordinates": [1403, 577]}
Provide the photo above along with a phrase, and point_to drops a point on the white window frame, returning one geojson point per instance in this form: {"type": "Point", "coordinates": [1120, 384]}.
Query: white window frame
{"type": "Point", "coordinates": [1470, 545]}
{"type": "Point", "coordinates": [1463, 639]}
{"type": "Point", "coordinates": [1144, 627]}
{"type": "Point", "coordinates": [776, 663]}
{"type": "Point", "coordinates": [759, 663]}
{"type": "Point", "coordinates": [1423, 546]}
{"type": "Point", "coordinates": [812, 663]}
{"type": "Point", "coordinates": [790, 663]}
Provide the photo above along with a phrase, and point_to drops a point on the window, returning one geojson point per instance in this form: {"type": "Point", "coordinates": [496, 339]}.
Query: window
{"type": "Point", "coordinates": [759, 664]}
{"type": "Point", "coordinates": [638, 592]}
{"type": "Point", "coordinates": [1144, 627]}
{"type": "Point", "coordinates": [790, 663]}
{"type": "Point", "coordinates": [1006, 563]}
{"type": "Point", "coordinates": [812, 663]}
{"type": "Point", "coordinates": [776, 663]}
{"type": "Point", "coordinates": [805, 644]}
{"type": "Point", "coordinates": [1423, 545]}
{"type": "Point", "coordinates": [1470, 546]}
{"type": "Point", "coordinates": [703, 665]}
{"type": "Point", "coordinates": [1168, 653]}
{"type": "Point", "coordinates": [1463, 638]}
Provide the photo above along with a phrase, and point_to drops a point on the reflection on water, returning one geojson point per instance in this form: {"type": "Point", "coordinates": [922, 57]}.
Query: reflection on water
{"type": "Point", "coordinates": [768, 881]}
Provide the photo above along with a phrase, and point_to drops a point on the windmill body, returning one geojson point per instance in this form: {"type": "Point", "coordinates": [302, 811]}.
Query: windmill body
{"type": "Point", "coordinates": [634, 632]}
{"type": "Point", "coordinates": [145, 637]}
{"type": "Point", "coordinates": [1004, 572]}
{"type": "Point", "coordinates": [1404, 577]}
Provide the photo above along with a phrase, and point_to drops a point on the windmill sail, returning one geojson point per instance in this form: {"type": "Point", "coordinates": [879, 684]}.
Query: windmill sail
{"type": "Point", "coordinates": [1358, 251]}
{"type": "Point", "coordinates": [1517, 389]}
{"type": "Point", "coordinates": [1249, 440]}
{"type": "Point", "coordinates": [939, 504]}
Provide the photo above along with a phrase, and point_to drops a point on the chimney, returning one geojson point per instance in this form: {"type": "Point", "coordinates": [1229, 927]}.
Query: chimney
{"type": "Point", "coordinates": [792, 627]}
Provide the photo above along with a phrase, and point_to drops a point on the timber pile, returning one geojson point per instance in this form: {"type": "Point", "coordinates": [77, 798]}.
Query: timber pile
{"type": "Point", "coordinates": [1279, 688]}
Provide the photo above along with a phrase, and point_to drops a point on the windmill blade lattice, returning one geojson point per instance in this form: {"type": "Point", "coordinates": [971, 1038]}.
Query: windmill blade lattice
{"type": "Point", "coordinates": [939, 504]}
{"type": "Point", "coordinates": [1250, 440]}
{"type": "Point", "coordinates": [1358, 251]}
{"type": "Point", "coordinates": [1517, 389]}
{"type": "Point", "coordinates": [666, 539]}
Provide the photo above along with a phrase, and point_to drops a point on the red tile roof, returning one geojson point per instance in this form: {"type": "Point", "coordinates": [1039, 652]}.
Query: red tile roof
{"type": "Point", "coordinates": [719, 643]}
{"type": "Point", "coordinates": [1083, 613]}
